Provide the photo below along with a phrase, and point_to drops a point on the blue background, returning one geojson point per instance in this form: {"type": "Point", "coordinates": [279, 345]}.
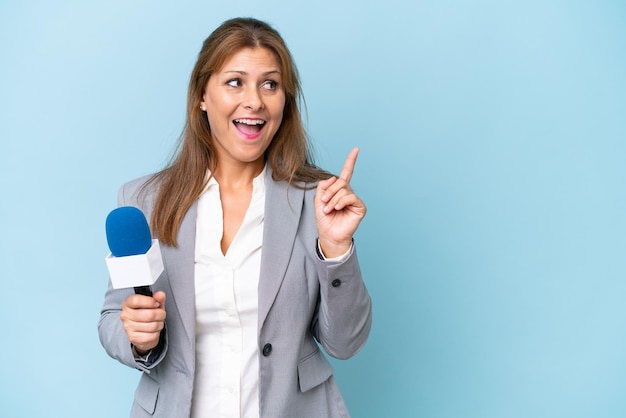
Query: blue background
{"type": "Point", "coordinates": [493, 138]}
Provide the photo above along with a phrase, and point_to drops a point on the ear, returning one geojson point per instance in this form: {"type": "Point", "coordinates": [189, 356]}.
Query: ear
{"type": "Point", "coordinates": [203, 106]}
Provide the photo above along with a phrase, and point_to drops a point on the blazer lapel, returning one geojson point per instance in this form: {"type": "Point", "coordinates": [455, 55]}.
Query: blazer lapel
{"type": "Point", "coordinates": [180, 269]}
{"type": "Point", "coordinates": [283, 206]}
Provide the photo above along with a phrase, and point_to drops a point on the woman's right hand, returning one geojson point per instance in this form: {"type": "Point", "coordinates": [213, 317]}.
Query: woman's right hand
{"type": "Point", "coordinates": [144, 318]}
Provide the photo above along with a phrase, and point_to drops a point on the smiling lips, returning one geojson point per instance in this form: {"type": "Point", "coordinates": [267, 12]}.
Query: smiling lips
{"type": "Point", "coordinates": [250, 128]}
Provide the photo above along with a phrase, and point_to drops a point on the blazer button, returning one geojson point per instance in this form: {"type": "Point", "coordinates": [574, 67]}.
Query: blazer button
{"type": "Point", "coordinates": [267, 349]}
{"type": "Point", "coordinates": [336, 283]}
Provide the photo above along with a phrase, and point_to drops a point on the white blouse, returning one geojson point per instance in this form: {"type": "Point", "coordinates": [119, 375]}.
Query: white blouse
{"type": "Point", "coordinates": [226, 287]}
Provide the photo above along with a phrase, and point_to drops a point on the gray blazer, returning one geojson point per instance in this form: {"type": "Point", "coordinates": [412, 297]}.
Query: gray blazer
{"type": "Point", "coordinates": [302, 299]}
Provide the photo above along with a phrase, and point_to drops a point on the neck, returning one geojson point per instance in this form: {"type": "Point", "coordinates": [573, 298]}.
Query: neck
{"type": "Point", "coordinates": [238, 175]}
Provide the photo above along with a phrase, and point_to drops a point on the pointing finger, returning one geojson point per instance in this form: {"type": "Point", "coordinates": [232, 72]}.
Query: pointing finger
{"type": "Point", "coordinates": [348, 166]}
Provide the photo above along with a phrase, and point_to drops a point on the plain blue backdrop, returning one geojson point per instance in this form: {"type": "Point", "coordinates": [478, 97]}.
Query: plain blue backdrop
{"type": "Point", "coordinates": [493, 137]}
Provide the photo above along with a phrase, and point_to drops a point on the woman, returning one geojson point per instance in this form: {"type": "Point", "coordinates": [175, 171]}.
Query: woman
{"type": "Point", "coordinates": [257, 247]}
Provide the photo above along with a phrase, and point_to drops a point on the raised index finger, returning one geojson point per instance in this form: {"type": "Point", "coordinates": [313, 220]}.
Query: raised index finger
{"type": "Point", "coordinates": [348, 166]}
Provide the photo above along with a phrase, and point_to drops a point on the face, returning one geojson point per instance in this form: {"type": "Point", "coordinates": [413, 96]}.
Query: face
{"type": "Point", "coordinates": [244, 102]}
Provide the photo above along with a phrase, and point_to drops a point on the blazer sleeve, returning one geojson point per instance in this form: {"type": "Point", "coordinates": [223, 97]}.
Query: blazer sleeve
{"type": "Point", "coordinates": [110, 328]}
{"type": "Point", "coordinates": [343, 316]}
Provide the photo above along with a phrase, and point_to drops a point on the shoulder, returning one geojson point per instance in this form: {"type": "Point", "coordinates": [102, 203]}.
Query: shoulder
{"type": "Point", "coordinates": [138, 191]}
{"type": "Point", "coordinates": [293, 192]}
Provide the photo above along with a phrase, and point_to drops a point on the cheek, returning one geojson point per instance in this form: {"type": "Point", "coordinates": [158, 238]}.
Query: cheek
{"type": "Point", "coordinates": [218, 112]}
{"type": "Point", "coordinates": [279, 113]}
{"type": "Point", "coordinates": [216, 123]}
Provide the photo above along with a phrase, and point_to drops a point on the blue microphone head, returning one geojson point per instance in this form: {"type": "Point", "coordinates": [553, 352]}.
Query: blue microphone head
{"type": "Point", "coordinates": [128, 232]}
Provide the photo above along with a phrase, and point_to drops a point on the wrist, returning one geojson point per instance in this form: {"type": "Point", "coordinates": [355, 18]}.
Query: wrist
{"type": "Point", "coordinates": [140, 352]}
{"type": "Point", "coordinates": [331, 249]}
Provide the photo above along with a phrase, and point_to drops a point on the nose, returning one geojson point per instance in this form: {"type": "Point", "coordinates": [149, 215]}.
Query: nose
{"type": "Point", "coordinates": [253, 100]}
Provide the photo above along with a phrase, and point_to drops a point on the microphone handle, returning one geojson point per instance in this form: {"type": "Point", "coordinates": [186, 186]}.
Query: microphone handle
{"type": "Point", "coordinates": [143, 290]}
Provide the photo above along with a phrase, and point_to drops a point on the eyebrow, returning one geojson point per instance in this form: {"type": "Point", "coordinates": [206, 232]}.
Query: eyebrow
{"type": "Point", "coordinates": [246, 73]}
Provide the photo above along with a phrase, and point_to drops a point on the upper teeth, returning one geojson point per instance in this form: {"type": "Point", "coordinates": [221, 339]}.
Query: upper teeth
{"type": "Point", "coordinates": [250, 121]}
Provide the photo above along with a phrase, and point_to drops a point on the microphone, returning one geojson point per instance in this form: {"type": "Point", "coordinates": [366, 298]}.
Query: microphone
{"type": "Point", "coordinates": [135, 259]}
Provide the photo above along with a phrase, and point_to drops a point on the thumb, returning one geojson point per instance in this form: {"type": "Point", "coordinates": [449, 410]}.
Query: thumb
{"type": "Point", "coordinates": [159, 297]}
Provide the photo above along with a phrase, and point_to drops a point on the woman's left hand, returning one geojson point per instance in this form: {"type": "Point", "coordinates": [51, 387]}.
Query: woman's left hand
{"type": "Point", "coordinates": [338, 211]}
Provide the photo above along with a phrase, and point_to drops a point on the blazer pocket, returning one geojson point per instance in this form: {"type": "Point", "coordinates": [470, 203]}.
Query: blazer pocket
{"type": "Point", "coordinates": [313, 370]}
{"type": "Point", "coordinates": [147, 393]}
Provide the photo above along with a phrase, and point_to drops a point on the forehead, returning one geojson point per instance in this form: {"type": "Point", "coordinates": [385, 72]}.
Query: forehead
{"type": "Point", "coordinates": [251, 60]}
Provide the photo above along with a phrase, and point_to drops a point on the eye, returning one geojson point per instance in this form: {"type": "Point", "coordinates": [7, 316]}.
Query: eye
{"type": "Point", "coordinates": [235, 82]}
{"type": "Point", "coordinates": [270, 85]}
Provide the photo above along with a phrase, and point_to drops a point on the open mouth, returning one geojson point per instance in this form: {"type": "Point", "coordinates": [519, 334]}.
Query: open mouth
{"type": "Point", "coordinates": [249, 126]}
